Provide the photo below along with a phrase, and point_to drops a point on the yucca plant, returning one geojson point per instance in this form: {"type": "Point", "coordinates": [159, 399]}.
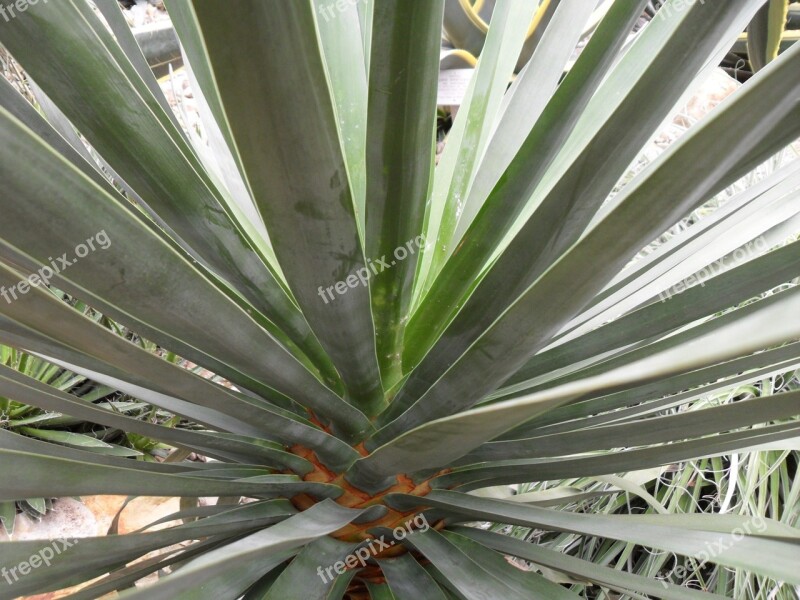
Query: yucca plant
{"type": "Point", "coordinates": [398, 337]}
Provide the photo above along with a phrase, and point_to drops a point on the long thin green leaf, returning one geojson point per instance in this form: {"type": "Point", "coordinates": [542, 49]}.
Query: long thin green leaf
{"type": "Point", "coordinates": [97, 555]}
{"type": "Point", "coordinates": [403, 81]}
{"type": "Point", "coordinates": [236, 566]}
{"type": "Point", "coordinates": [737, 285]}
{"type": "Point", "coordinates": [512, 180]}
{"type": "Point", "coordinates": [770, 557]}
{"type": "Point", "coordinates": [15, 385]}
{"type": "Point", "coordinates": [463, 573]}
{"type": "Point", "coordinates": [527, 582]}
{"type": "Point", "coordinates": [305, 576]}
{"type": "Point", "coordinates": [49, 476]}
{"type": "Point", "coordinates": [690, 251]}
{"type": "Point", "coordinates": [523, 104]}
{"type": "Point", "coordinates": [102, 271]}
{"type": "Point", "coordinates": [666, 391]}
{"type": "Point", "coordinates": [348, 87]}
{"type": "Point", "coordinates": [449, 438]}
{"type": "Point", "coordinates": [53, 317]}
{"type": "Point", "coordinates": [408, 580]}
{"type": "Point", "coordinates": [658, 430]}
{"type": "Point", "coordinates": [463, 370]}
{"type": "Point", "coordinates": [765, 31]}
{"type": "Point", "coordinates": [516, 471]}
{"type": "Point", "coordinates": [620, 581]}
{"type": "Point", "coordinates": [300, 180]}
{"type": "Point", "coordinates": [154, 159]}
{"type": "Point", "coordinates": [471, 131]}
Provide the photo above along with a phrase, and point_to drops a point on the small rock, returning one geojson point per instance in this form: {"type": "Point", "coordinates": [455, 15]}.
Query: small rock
{"type": "Point", "coordinates": [104, 508]}
{"type": "Point", "coordinates": [68, 519]}
{"type": "Point", "coordinates": [713, 91]}
{"type": "Point", "coordinates": [144, 510]}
